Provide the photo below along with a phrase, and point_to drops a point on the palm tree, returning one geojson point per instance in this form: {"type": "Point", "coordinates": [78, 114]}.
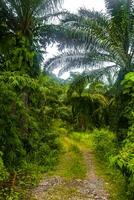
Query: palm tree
{"type": "Point", "coordinates": [100, 42]}
{"type": "Point", "coordinates": [24, 31]}
{"type": "Point", "coordinates": [89, 102]}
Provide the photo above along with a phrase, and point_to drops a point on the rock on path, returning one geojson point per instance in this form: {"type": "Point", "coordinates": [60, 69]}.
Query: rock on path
{"type": "Point", "coordinates": [56, 188]}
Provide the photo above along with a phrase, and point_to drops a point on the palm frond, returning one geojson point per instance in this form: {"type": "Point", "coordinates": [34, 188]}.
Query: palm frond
{"type": "Point", "coordinates": [113, 6]}
{"type": "Point", "coordinates": [102, 38]}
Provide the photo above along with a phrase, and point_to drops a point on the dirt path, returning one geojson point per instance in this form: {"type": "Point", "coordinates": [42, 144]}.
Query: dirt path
{"type": "Point", "coordinates": [57, 188]}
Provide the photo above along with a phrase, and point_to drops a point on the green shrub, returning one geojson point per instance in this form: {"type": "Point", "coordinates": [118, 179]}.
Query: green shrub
{"type": "Point", "coordinates": [124, 161]}
{"type": "Point", "coordinates": [27, 140]}
{"type": "Point", "coordinates": [85, 138]}
{"type": "Point", "coordinates": [128, 89]}
{"type": "Point", "coordinates": [13, 194]}
{"type": "Point", "coordinates": [74, 148]}
{"type": "Point", "coordinates": [104, 143]}
{"type": "Point", "coordinates": [3, 171]}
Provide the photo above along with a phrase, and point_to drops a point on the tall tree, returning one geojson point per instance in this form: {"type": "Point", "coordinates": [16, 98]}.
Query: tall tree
{"type": "Point", "coordinates": [101, 42]}
{"type": "Point", "coordinates": [89, 102]}
{"type": "Point", "coordinates": [23, 25]}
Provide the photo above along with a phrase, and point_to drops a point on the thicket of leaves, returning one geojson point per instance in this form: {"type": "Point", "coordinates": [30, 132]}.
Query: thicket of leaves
{"type": "Point", "coordinates": [31, 102]}
{"type": "Point", "coordinates": [88, 102]}
{"type": "Point", "coordinates": [117, 148]}
{"type": "Point", "coordinates": [28, 108]}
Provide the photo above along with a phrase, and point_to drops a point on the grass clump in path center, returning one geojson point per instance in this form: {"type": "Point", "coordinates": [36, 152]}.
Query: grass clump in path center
{"type": "Point", "coordinates": [72, 164]}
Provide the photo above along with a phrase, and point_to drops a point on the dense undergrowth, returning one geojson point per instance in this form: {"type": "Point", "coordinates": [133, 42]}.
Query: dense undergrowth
{"type": "Point", "coordinates": [96, 141]}
{"type": "Point", "coordinates": [37, 109]}
{"type": "Point", "coordinates": [29, 144]}
{"type": "Point", "coordinates": [37, 119]}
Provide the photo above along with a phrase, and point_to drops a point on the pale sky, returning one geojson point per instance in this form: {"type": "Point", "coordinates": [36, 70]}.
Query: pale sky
{"type": "Point", "coordinates": [73, 6]}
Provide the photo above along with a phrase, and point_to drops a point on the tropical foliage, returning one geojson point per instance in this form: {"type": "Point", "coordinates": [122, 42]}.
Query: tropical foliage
{"type": "Point", "coordinates": [88, 102]}
{"type": "Point", "coordinates": [101, 43]}
{"type": "Point", "coordinates": [25, 31]}
{"type": "Point", "coordinates": [37, 108]}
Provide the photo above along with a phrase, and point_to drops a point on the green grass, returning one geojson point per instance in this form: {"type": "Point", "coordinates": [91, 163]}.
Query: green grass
{"type": "Point", "coordinates": [114, 181]}
{"type": "Point", "coordinates": [72, 164]}
{"type": "Point", "coordinates": [84, 139]}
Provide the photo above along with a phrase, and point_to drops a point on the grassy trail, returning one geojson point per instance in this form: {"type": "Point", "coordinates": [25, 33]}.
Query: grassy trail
{"type": "Point", "coordinates": [75, 177]}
